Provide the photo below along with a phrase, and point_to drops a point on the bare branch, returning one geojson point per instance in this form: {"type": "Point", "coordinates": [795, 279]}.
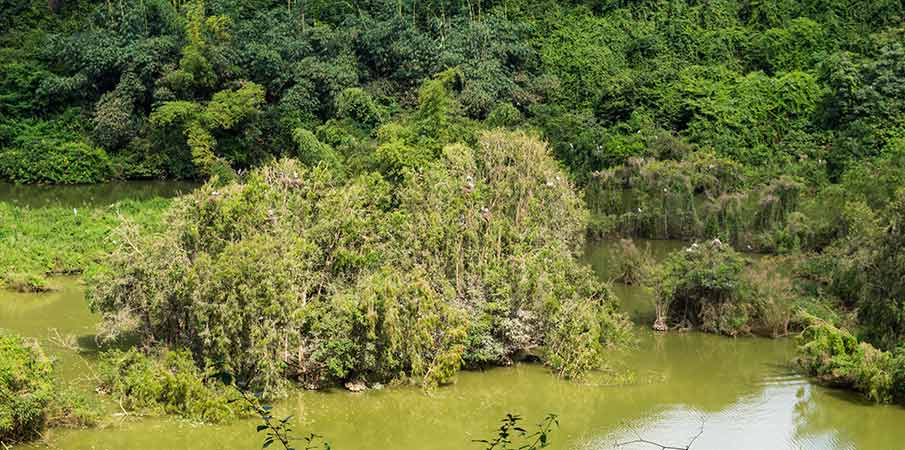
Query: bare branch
{"type": "Point", "coordinates": [641, 440]}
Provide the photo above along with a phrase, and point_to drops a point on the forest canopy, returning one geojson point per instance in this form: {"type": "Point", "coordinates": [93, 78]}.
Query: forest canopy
{"type": "Point", "coordinates": [187, 89]}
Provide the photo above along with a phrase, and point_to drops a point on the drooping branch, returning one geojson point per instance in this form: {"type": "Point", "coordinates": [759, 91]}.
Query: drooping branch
{"type": "Point", "coordinates": [641, 440]}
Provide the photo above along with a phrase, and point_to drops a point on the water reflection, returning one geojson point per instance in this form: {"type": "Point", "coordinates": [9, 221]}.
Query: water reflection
{"type": "Point", "coordinates": [70, 196]}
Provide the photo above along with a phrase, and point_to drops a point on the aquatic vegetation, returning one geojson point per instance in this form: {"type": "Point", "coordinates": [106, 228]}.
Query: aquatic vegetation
{"type": "Point", "coordinates": [702, 286]}
{"type": "Point", "coordinates": [30, 397]}
{"type": "Point", "coordinates": [35, 242]}
{"type": "Point", "coordinates": [26, 384]}
{"type": "Point", "coordinates": [25, 282]}
{"type": "Point", "coordinates": [710, 286]}
{"type": "Point", "coordinates": [837, 358]}
{"type": "Point", "coordinates": [634, 264]}
{"type": "Point", "coordinates": [289, 275]}
{"type": "Point", "coordinates": [168, 383]}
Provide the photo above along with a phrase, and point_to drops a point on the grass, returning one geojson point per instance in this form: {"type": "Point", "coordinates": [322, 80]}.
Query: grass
{"type": "Point", "coordinates": [36, 242]}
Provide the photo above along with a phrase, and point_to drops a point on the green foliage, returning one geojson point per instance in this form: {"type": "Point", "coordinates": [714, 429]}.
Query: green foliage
{"type": "Point", "coordinates": [702, 286]}
{"type": "Point", "coordinates": [634, 264]}
{"type": "Point", "coordinates": [795, 83]}
{"type": "Point", "coordinates": [395, 158]}
{"type": "Point", "coordinates": [66, 163]}
{"type": "Point", "coordinates": [38, 241]}
{"type": "Point", "coordinates": [168, 383]}
{"type": "Point", "coordinates": [512, 436]}
{"type": "Point", "coordinates": [836, 358]}
{"type": "Point", "coordinates": [358, 105]}
{"type": "Point", "coordinates": [26, 282]}
{"type": "Point", "coordinates": [712, 287]}
{"type": "Point", "coordinates": [863, 269]}
{"type": "Point", "coordinates": [504, 115]}
{"type": "Point", "coordinates": [32, 398]}
{"type": "Point", "coordinates": [27, 389]}
{"type": "Point", "coordinates": [293, 276]}
{"type": "Point", "coordinates": [881, 308]}
{"type": "Point", "coordinates": [224, 111]}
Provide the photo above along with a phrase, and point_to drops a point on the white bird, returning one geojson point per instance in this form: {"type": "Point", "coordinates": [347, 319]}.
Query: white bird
{"type": "Point", "coordinates": [75, 211]}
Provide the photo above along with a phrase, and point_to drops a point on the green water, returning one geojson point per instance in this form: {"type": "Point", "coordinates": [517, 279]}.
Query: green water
{"type": "Point", "coordinates": [36, 195]}
{"type": "Point", "coordinates": [741, 390]}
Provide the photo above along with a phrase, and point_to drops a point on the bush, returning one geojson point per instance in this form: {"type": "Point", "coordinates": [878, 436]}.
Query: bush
{"type": "Point", "coordinates": [634, 264]}
{"type": "Point", "coordinates": [55, 162]}
{"type": "Point", "coordinates": [712, 287]}
{"type": "Point", "coordinates": [30, 397]}
{"type": "Point", "coordinates": [836, 358]}
{"type": "Point", "coordinates": [702, 286]}
{"type": "Point", "coordinates": [26, 389]}
{"type": "Point", "coordinates": [168, 383]}
{"type": "Point", "coordinates": [358, 105]}
{"type": "Point", "coordinates": [504, 115]}
{"type": "Point", "coordinates": [291, 276]}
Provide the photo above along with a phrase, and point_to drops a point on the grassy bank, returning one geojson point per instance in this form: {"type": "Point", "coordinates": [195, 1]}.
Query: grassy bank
{"type": "Point", "coordinates": [37, 242]}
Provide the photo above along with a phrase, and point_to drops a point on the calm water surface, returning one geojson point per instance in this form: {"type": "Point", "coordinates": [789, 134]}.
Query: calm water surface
{"type": "Point", "coordinates": [37, 195]}
{"type": "Point", "coordinates": [740, 390]}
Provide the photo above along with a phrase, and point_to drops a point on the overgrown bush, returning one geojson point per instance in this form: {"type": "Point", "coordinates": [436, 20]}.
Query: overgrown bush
{"type": "Point", "coordinates": [290, 275]}
{"type": "Point", "coordinates": [634, 265]}
{"type": "Point", "coordinates": [30, 397]}
{"type": "Point", "coordinates": [55, 162]}
{"type": "Point", "coordinates": [702, 286]}
{"type": "Point", "coordinates": [26, 389]}
{"type": "Point", "coordinates": [864, 269]}
{"type": "Point", "coordinates": [168, 383]}
{"type": "Point", "coordinates": [836, 358]}
{"type": "Point", "coordinates": [712, 287]}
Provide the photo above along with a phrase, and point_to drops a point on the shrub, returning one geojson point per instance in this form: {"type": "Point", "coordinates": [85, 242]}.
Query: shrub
{"type": "Point", "coordinates": [702, 286]}
{"type": "Point", "coordinates": [712, 287]}
{"type": "Point", "coordinates": [168, 383]}
{"type": "Point", "coordinates": [836, 358]}
{"type": "Point", "coordinates": [312, 151]}
{"type": "Point", "coordinates": [634, 264]}
{"type": "Point", "coordinates": [292, 276]}
{"type": "Point", "coordinates": [358, 105]}
{"type": "Point", "coordinates": [55, 162]}
{"type": "Point", "coordinates": [26, 389]}
{"type": "Point", "coordinates": [504, 115]}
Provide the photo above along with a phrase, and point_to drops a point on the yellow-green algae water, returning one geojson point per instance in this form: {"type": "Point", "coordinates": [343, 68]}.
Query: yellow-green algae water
{"type": "Point", "coordinates": [742, 391]}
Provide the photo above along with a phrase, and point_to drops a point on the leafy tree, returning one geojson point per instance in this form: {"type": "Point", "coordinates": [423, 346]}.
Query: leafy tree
{"type": "Point", "coordinates": [199, 121]}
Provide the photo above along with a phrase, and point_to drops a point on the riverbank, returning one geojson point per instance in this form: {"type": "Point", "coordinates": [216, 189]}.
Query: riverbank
{"type": "Point", "coordinates": [742, 389]}
{"type": "Point", "coordinates": [65, 230]}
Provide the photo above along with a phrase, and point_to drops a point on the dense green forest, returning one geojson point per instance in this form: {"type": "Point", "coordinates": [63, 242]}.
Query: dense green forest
{"type": "Point", "coordinates": [184, 89]}
{"type": "Point", "coordinates": [397, 190]}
